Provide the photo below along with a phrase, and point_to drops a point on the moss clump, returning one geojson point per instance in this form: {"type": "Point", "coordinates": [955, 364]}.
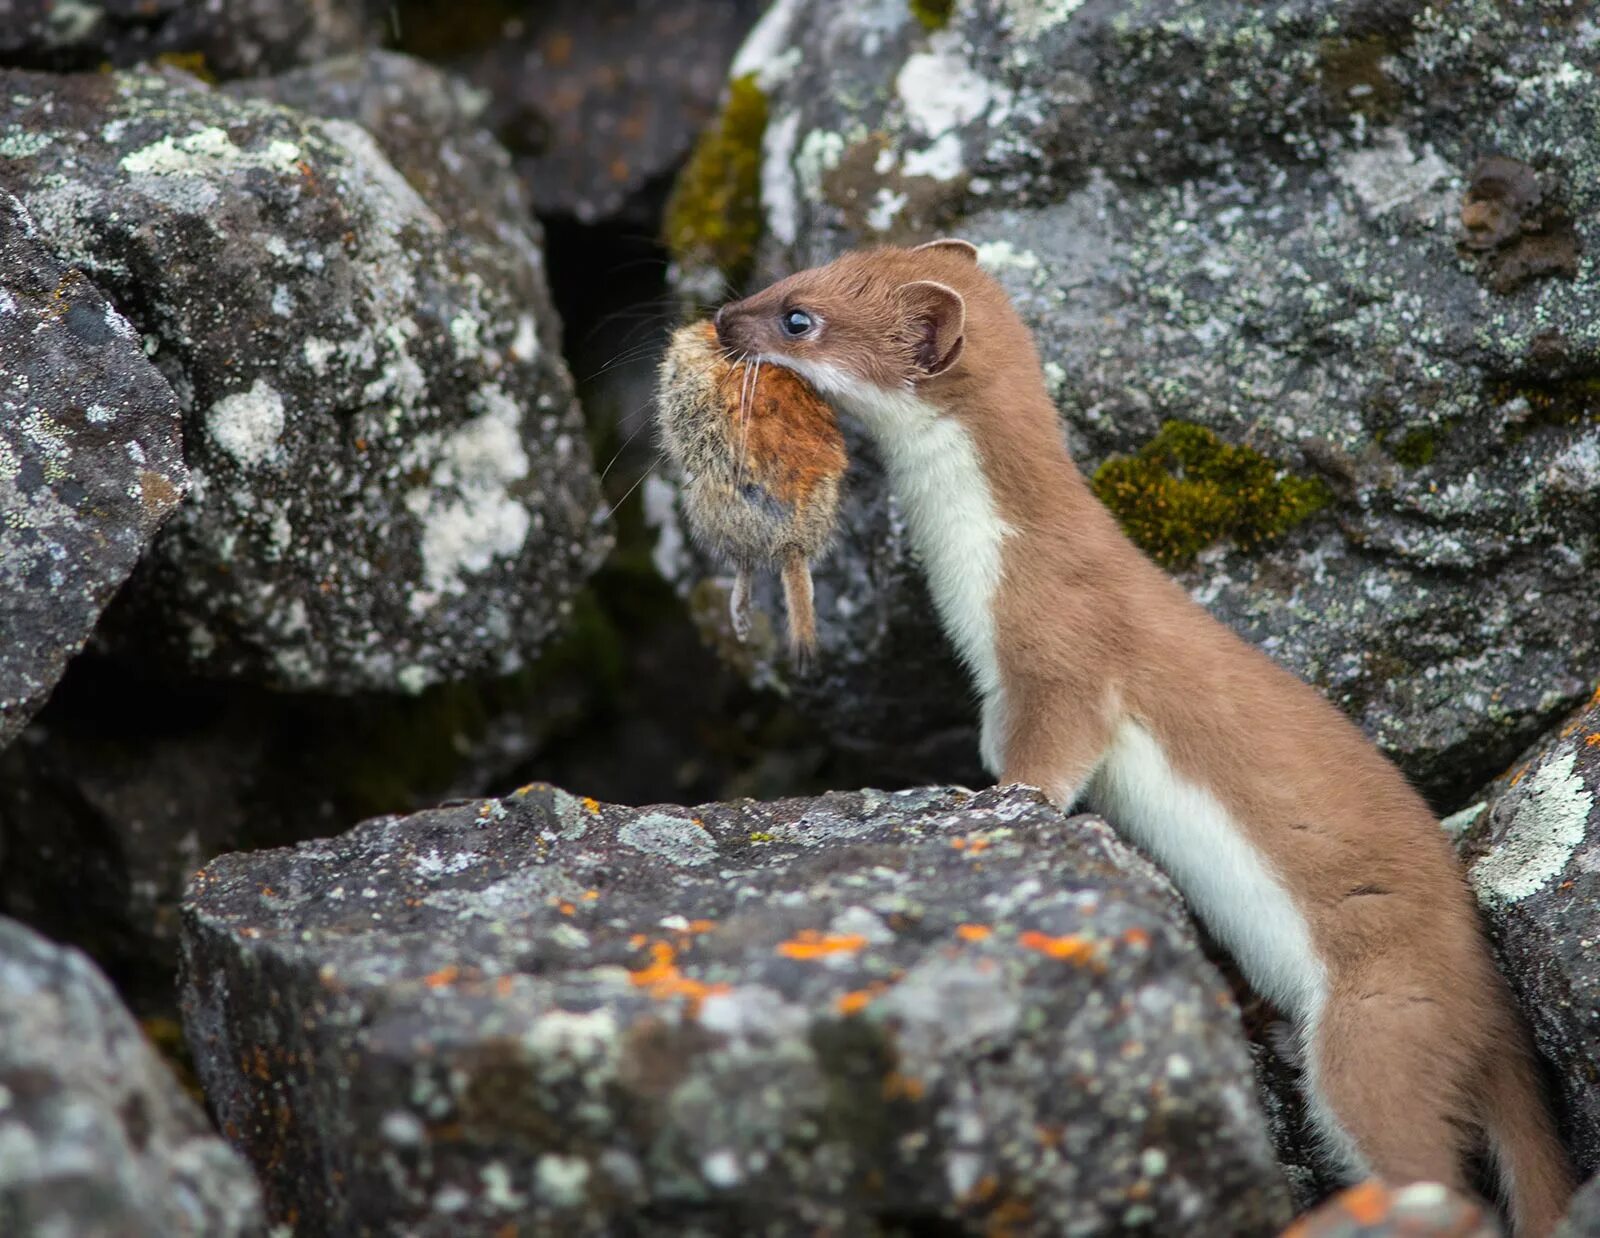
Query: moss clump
{"type": "Point", "coordinates": [714, 215]}
{"type": "Point", "coordinates": [933, 14]}
{"type": "Point", "coordinates": [1186, 488]}
{"type": "Point", "coordinates": [1415, 450]}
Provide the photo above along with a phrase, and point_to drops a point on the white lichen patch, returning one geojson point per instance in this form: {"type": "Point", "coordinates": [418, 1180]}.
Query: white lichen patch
{"type": "Point", "coordinates": [468, 516]}
{"type": "Point", "coordinates": [768, 50]}
{"type": "Point", "coordinates": [778, 177]}
{"type": "Point", "coordinates": [998, 256]}
{"type": "Point", "coordinates": [940, 91]}
{"type": "Point", "coordinates": [671, 552]}
{"type": "Point", "coordinates": [1031, 18]}
{"type": "Point", "coordinates": [525, 343]}
{"type": "Point", "coordinates": [1548, 826]}
{"type": "Point", "coordinates": [943, 160]}
{"type": "Point", "coordinates": [249, 424]}
{"type": "Point", "coordinates": [19, 144]}
{"type": "Point", "coordinates": [1388, 175]}
{"type": "Point", "coordinates": [393, 203]}
{"type": "Point", "coordinates": [677, 839]}
{"type": "Point", "coordinates": [207, 152]}
{"type": "Point", "coordinates": [561, 1181]}
{"type": "Point", "coordinates": [886, 207]}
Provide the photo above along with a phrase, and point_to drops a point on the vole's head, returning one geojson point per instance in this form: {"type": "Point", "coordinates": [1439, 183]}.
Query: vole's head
{"type": "Point", "coordinates": [873, 320]}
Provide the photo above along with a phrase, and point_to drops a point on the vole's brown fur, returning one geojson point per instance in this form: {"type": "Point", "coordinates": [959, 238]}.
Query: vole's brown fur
{"type": "Point", "coordinates": [1305, 850]}
{"type": "Point", "coordinates": [763, 461]}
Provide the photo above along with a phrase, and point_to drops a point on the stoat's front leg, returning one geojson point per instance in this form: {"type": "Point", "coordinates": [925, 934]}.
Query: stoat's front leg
{"type": "Point", "coordinates": [1053, 741]}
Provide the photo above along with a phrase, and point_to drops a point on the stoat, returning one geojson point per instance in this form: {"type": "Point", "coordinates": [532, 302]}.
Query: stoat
{"type": "Point", "coordinates": [1304, 851]}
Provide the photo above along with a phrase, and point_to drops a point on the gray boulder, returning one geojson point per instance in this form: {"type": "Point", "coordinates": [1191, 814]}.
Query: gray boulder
{"type": "Point", "coordinates": [234, 39]}
{"type": "Point", "coordinates": [598, 103]}
{"type": "Point", "coordinates": [91, 461]}
{"type": "Point", "coordinates": [97, 1140]}
{"type": "Point", "coordinates": [1281, 225]}
{"type": "Point", "coordinates": [390, 481]}
{"type": "Point", "coordinates": [1533, 845]}
{"type": "Point", "coordinates": [931, 1008]}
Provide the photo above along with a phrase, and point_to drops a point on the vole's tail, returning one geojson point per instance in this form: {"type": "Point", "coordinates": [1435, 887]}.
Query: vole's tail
{"type": "Point", "coordinates": [1534, 1172]}
{"type": "Point", "coordinates": [797, 601]}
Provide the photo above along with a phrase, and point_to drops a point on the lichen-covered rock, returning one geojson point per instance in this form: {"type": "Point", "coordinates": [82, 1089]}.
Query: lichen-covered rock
{"type": "Point", "coordinates": [1533, 846]}
{"type": "Point", "coordinates": [91, 461]}
{"type": "Point", "coordinates": [234, 39]}
{"type": "Point", "coordinates": [97, 1139]}
{"type": "Point", "coordinates": [1276, 223]}
{"type": "Point", "coordinates": [391, 485]}
{"type": "Point", "coordinates": [1421, 1210]}
{"type": "Point", "coordinates": [927, 1008]}
{"type": "Point", "coordinates": [598, 103]}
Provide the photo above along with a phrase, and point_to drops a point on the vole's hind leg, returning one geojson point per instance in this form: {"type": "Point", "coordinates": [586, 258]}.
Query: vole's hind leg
{"type": "Point", "coordinates": [798, 601]}
{"type": "Point", "coordinates": [739, 604]}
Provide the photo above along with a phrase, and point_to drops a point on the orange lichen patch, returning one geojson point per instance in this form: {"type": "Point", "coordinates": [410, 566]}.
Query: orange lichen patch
{"type": "Point", "coordinates": [1137, 938]}
{"type": "Point", "coordinates": [810, 944]}
{"type": "Point", "coordinates": [664, 980]}
{"type": "Point", "coordinates": [442, 978]}
{"type": "Point", "coordinates": [566, 908]}
{"type": "Point", "coordinates": [1071, 948]}
{"type": "Point", "coordinates": [1592, 741]}
{"type": "Point", "coordinates": [1367, 1203]}
{"type": "Point", "coordinates": [902, 1087]}
{"type": "Point", "coordinates": [702, 926]}
{"type": "Point", "coordinates": [854, 1002]}
{"type": "Point", "coordinates": [637, 940]}
{"type": "Point", "coordinates": [503, 985]}
{"type": "Point", "coordinates": [974, 845]}
{"type": "Point", "coordinates": [1518, 776]}
{"type": "Point", "coordinates": [974, 932]}
{"type": "Point", "coordinates": [590, 803]}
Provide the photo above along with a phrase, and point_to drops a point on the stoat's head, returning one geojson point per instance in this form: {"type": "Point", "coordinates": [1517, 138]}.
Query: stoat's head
{"type": "Point", "coordinates": [876, 320]}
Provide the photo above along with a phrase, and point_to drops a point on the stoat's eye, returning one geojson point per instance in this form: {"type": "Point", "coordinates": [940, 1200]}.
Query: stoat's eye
{"type": "Point", "coordinates": [795, 323]}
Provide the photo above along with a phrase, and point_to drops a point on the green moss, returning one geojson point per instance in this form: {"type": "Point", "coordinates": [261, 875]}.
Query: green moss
{"type": "Point", "coordinates": [933, 14]}
{"type": "Point", "coordinates": [1416, 449]}
{"type": "Point", "coordinates": [714, 215]}
{"type": "Point", "coordinates": [1186, 488]}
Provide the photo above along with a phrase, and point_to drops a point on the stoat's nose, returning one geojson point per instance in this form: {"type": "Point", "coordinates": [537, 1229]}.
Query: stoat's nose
{"type": "Point", "coordinates": [721, 324]}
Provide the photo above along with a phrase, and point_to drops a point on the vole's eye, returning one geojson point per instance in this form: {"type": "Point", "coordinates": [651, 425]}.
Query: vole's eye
{"type": "Point", "coordinates": [795, 323]}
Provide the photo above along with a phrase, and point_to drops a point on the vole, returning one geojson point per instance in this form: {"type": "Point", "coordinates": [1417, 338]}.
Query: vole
{"type": "Point", "coordinates": [1299, 846]}
{"type": "Point", "coordinates": [763, 461]}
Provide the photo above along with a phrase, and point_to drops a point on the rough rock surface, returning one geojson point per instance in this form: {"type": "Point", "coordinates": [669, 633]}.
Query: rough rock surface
{"type": "Point", "coordinates": [90, 462]}
{"type": "Point", "coordinates": [1372, 1210]}
{"type": "Point", "coordinates": [931, 1007]}
{"type": "Point", "coordinates": [1534, 851]}
{"type": "Point", "coordinates": [391, 485]}
{"type": "Point", "coordinates": [97, 1140]}
{"type": "Point", "coordinates": [1275, 221]}
{"type": "Point", "coordinates": [231, 39]}
{"type": "Point", "coordinates": [599, 103]}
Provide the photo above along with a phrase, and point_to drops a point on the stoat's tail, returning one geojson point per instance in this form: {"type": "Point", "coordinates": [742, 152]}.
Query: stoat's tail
{"type": "Point", "coordinates": [1535, 1174]}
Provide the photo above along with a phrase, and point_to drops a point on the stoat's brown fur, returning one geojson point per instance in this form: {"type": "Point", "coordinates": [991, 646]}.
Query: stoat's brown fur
{"type": "Point", "coordinates": [1301, 847]}
{"type": "Point", "coordinates": [763, 460]}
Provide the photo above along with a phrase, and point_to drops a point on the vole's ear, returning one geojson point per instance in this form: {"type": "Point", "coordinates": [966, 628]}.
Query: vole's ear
{"type": "Point", "coordinates": [936, 317]}
{"type": "Point", "coordinates": [951, 245]}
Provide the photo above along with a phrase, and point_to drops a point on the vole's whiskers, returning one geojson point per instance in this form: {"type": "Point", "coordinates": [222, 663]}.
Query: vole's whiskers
{"type": "Point", "coordinates": [644, 473]}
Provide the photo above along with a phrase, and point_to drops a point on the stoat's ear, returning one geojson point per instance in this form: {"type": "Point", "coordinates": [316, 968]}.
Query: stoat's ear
{"type": "Point", "coordinates": [950, 245]}
{"type": "Point", "coordinates": [936, 317]}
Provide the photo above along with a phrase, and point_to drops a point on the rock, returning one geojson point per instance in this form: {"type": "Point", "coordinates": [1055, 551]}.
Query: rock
{"type": "Point", "coordinates": [598, 103]}
{"type": "Point", "coordinates": [1246, 219]}
{"type": "Point", "coordinates": [96, 1138]}
{"type": "Point", "coordinates": [1534, 849]}
{"type": "Point", "coordinates": [91, 461]}
{"type": "Point", "coordinates": [1372, 1210]}
{"type": "Point", "coordinates": [1583, 1218]}
{"type": "Point", "coordinates": [930, 1008]}
{"type": "Point", "coordinates": [232, 40]}
{"type": "Point", "coordinates": [391, 485]}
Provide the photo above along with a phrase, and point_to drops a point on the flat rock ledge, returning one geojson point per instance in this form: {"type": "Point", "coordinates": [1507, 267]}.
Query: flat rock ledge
{"type": "Point", "coordinates": [851, 1013]}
